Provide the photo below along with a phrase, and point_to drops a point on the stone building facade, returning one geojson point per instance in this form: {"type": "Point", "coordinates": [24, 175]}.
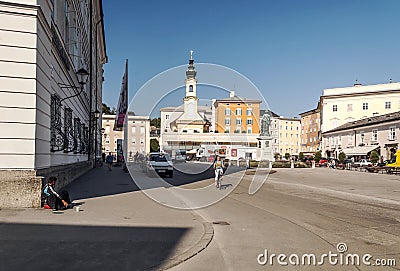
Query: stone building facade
{"type": "Point", "coordinates": [138, 138]}
{"type": "Point", "coordinates": [48, 124]}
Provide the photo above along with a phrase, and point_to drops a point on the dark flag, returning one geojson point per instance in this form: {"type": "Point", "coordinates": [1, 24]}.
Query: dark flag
{"type": "Point", "coordinates": [123, 102]}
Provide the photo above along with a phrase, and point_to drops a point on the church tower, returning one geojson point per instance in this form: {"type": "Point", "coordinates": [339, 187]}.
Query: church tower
{"type": "Point", "coordinates": [191, 121]}
{"type": "Point", "coordinates": [190, 100]}
{"type": "Point", "coordinates": [191, 78]}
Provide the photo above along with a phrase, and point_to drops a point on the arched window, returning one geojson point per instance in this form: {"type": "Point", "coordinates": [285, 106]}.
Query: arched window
{"type": "Point", "coordinates": [191, 88]}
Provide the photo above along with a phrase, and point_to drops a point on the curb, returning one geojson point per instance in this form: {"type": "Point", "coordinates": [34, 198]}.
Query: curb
{"type": "Point", "coordinates": [204, 241]}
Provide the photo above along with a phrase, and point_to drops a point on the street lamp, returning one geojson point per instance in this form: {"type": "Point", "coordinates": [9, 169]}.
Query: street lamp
{"type": "Point", "coordinates": [96, 116]}
{"type": "Point", "coordinates": [82, 76]}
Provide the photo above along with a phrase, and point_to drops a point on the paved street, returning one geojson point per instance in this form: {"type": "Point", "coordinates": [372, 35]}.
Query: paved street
{"type": "Point", "coordinates": [304, 211]}
{"type": "Point", "coordinates": [297, 211]}
{"type": "Point", "coordinates": [117, 227]}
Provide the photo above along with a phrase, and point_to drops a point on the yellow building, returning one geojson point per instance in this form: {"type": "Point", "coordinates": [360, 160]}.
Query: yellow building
{"type": "Point", "coordinates": [310, 131]}
{"type": "Point", "coordinates": [237, 115]}
{"type": "Point", "coordinates": [288, 135]}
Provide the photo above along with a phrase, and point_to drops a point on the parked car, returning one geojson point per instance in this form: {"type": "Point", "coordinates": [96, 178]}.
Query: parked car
{"type": "Point", "coordinates": [159, 163]}
{"type": "Point", "coordinates": [363, 162]}
{"type": "Point", "coordinates": [347, 161]}
{"type": "Point", "coordinates": [323, 162]}
{"type": "Point", "coordinates": [180, 156]}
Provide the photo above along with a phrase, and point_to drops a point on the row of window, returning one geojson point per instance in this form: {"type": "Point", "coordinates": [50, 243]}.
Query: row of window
{"type": "Point", "coordinates": [309, 131]}
{"type": "Point", "coordinates": [238, 121]}
{"type": "Point", "coordinates": [238, 111]}
{"type": "Point", "coordinates": [291, 135]}
{"type": "Point", "coordinates": [108, 129]}
{"type": "Point", "coordinates": [65, 17]}
{"type": "Point", "coordinates": [365, 106]}
{"type": "Point", "coordinates": [238, 130]}
{"type": "Point", "coordinates": [306, 140]}
{"type": "Point", "coordinates": [374, 137]}
{"type": "Point", "coordinates": [287, 143]}
{"type": "Point", "coordinates": [291, 128]}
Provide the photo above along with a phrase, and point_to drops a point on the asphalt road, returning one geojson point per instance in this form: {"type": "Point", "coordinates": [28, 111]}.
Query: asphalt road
{"type": "Point", "coordinates": [296, 213]}
{"type": "Point", "coordinates": [304, 211]}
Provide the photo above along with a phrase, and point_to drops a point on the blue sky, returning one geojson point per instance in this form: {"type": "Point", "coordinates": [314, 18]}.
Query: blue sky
{"type": "Point", "coordinates": [290, 49]}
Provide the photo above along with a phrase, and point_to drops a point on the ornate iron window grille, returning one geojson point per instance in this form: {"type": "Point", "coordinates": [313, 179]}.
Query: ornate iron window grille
{"type": "Point", "coordinates": [86, 139]}
{"type": "Point", "coordinates": [68, 131]}
{"type": "Point", "coordinates": [56, 133]}
{"type": "Point", "coordinates": [77, 136]}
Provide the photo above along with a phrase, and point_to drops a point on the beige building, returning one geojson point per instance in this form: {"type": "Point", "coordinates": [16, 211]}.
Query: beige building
{"type": "Point", "coordinates": [342, 105]}
{"type": "Point", "coordinates": [310, 132]}
{"type": "Point", "coordinates": [51, 74]}
{"type": "Point", "coordinates": [237, 115]}
{"type": "Point", "coordinates": [285, 134]}
{"type": "Point", "coordinates": [138, 135]}
{"type": "Point", "coordinates": [358, 138]}
{"type": "Point", "coordinates": [190, 125]}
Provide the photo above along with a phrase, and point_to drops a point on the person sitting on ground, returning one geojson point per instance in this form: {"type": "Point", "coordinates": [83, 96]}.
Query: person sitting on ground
{"type": "Point", "coordinates": [54, 200]}
{"type": "Point", "coordinates": [109, 160]}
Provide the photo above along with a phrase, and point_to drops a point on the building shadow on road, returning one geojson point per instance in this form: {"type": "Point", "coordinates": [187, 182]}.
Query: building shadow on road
{"type": "Point", "coordinates": [65, 247]}
{"type": "Point", "coordinates": [100, 182]}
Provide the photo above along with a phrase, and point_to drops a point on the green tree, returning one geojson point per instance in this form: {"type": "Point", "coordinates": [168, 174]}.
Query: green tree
{"type": "Point", "coordinates": [342, 156]}
{"type": "Point", "coordinates": [156, 122]}
{"type": "Point", "coordinates": [301, 156]}
{"type": "Point", "coordinates": [374, 156]}
{"type": "Point", "coordinates": [154, 145]}
{"type": "Point", "coordinates": [106, 109]}
{"type": "Point", "coordinates": [317, 156]}
{"type": "Point", "coordinates": [277, 155]}
{"type": "Point", "coordinates": [287, 156]}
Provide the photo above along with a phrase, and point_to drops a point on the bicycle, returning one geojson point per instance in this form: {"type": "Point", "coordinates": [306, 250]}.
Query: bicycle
{"type": "Point", "coordinates": [220, 173]}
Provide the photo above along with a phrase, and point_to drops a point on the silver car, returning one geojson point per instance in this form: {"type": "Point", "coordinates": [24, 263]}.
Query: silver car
{"type": "Point", "coordinates": [160, 163]}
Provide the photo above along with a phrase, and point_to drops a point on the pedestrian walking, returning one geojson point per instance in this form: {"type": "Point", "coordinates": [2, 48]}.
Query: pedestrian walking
{"type": "Point", "coordinates": [110, 160]}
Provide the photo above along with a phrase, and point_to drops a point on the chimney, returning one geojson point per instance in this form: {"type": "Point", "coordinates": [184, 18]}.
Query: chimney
{"type": "Point", "coordinates": [232, 94]}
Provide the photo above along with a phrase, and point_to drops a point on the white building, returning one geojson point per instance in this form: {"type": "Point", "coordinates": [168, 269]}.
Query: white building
{"type": "Point", "coordinates": [138, 135]}
{"type": "Point", "coordinates": [45, 112]}
{"type": "Point", "coordinates": [188, 126]}
{"type": "Point", "coordinates": [342, 105]}
{"type": "Point", "coordinates": [359, 138]}
{"type": "Point", "coordinates": [285, 134]}
{"type": "Point", "coordinates": [170, 114]}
